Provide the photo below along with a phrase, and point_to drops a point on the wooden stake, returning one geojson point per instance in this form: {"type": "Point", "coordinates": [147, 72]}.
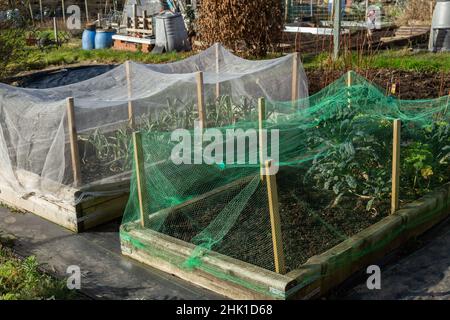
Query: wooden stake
{"type": "Point", "coordinates": [87, 10]}
{"type": "Point", "coordinates": [217, 71]}
{"type": "Point", "coordinates": [286, 11]}
{"type": "Point", "coordinates": [55, 31]}
{"type": "Point", "coordinates": [393, 88]}
{"type": "Point", "coordinates": [295, 63]}
{"type": "Point", "coordinates": [73, 138]}
{"type": "Point", "coordinates": [395, 167]}
{"type": "Point", "coordinates": [63, 11]}
{"type": "Point", "coordinates": [140, 176]}
{"type": "Point", "coordinates": [42, 11]}
{"type": "Point", "coordinates": [31, 12]}
{"type": "Point", "coordinates": [261, 118]}
{"type": "Point", "coordinates": [444, 112]}
{"type": "Point", "coordinates": [349, 84]}
{"type": "Point", "coordinates": [134, 17]}
{"type": "Point", "coordinates": [130, 92]}
{"type": "Point", "coordinates": [275, 221]}
{"type": "Point", "coordinates": [337, 17]}
{"type": "Point", "coordinates": [431, 10]}
{"type": "Point", "coordinates": [201, 100]}
{"type": "Point", "coordinates": [144, 19]}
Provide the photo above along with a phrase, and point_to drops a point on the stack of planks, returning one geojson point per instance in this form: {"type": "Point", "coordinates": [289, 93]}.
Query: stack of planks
{"type": "Point", "coordinates": [407, 34]}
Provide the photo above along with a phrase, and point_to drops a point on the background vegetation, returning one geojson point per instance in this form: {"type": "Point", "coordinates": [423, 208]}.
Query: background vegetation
{"type": "Point", "coordinates": [251, 26]}
{"type": "Point", "coordinates": [415, 12]}
{"type": "Point", "coordinates": [23, 280]}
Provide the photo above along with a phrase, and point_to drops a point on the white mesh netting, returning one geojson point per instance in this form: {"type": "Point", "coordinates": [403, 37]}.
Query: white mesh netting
{"type": "Point", "coordinates": [35, 154]}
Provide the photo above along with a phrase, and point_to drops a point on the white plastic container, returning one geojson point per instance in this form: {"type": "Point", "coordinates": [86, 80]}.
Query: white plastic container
{"type": "Point", "coordinates": [440, 27]}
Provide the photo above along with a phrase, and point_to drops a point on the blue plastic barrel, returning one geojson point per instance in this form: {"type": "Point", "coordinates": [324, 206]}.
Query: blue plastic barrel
{"type": "Point", "coordinates": [88, 40]}
{"type": "Point", "coordinates": [330, 7]}
{"type": "Point", "coordinates": [103, 39]}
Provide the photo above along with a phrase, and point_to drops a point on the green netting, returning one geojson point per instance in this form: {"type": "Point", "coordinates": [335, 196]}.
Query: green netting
{"type": "Point", "coordinates": [334, 177]}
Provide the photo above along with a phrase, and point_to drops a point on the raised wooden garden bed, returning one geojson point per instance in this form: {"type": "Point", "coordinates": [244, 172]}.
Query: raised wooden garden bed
{"type": "Point", "coordinates": [73, 215]}
{"type": "Point", "coordinates": [94, 202]}
{"type": "Point", "coordinates": [240, 280]}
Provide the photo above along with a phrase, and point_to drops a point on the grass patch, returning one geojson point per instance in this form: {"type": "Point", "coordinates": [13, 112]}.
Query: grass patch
{"type": "Point", "coordinates": [71, 53]}
{"type": "Point", "coordinates": [401, 59]}
{"type": "Point", "coordinates": [22, 280]}
{"type": "Point", "coordinates": [32, 58]}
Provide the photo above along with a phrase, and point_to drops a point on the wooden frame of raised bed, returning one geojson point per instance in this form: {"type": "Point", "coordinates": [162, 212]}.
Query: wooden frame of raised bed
{"type": "Point", "coordinates": [102, 201]}
{"type": "Point", "coordinates": [74, 215]}
{"type": "Point", "coordinates": [240, 280]}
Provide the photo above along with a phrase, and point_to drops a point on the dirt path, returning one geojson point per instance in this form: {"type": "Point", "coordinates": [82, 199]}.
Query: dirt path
{"type": "Point", "coordinates": [411, 85]}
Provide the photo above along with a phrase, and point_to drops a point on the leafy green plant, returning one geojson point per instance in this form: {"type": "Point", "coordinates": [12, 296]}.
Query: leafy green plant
{"type": "Point", "coordinates": [22, 280]}
{"type": "Point", "coordinates": [425, 160]}
{"type": "Point", "coordinates": [169, 118]}
{"type": "Point", "coordinates": [355, 157]}
{"type": "Point", "coordinates": [224, 111]}
{"type": "Point", "coordinates": [357, 150]}
{"type": "Point", "coordinates": [112, 149]}
{"type": "Point", "coordinates": [418, 165]}
{"type": "Point", "coordinates": [12, 43]}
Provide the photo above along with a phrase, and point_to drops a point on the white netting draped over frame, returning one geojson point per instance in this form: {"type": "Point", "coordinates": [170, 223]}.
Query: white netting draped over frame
{"type": "Point", "coordinates": [35, 152]}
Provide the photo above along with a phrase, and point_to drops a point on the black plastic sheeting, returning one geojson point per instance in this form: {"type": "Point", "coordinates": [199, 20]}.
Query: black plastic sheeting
{"type": "Point", "coordinates": [61, 77]}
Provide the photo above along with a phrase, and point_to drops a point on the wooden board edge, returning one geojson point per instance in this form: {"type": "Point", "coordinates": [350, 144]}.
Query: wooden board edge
{"type": "Point", "coordinates": [72, 217]}
{"type": "Point", "coordinates": [42, 208]}
{"type": "Point", "coordinates": [102, 213]}
{"type": "Point", "coordinates": [222, 274]}
{"type": "Point", "coordinates": [323, 272]}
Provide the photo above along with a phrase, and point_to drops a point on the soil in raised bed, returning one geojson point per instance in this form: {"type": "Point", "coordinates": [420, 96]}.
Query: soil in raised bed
{"type": "Point", "coordinates": [310, 224]}
{"type": "Point", "coordinates": [94, 169]}
{"type": "Point", "coordinates": [411, 85]}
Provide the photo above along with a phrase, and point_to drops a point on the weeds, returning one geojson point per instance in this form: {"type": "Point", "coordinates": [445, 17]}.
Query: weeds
{"type": "Point", "coordinates": [33, 58]}
{"type": "Point", "coordinates": [22, 280]}
{"type": "Point", "coordinates": [12, 43]}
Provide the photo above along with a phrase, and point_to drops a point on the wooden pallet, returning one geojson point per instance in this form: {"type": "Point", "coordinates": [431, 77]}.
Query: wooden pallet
{"type": "Point", "coordinates": [407, 33]}
{"type": "Point", "coordinates": [142, 25]}
{"type": "Point", "coordinates": [139, 25]}
{"type": "Point", "coordinates": [139, 30]}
